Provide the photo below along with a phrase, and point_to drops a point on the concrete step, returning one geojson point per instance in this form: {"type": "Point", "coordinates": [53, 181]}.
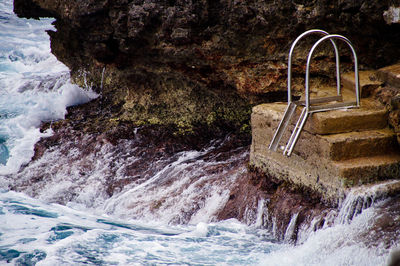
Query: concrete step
{"type": "Point", "coordinates": [326, 164]}
{"type": "Point", "coordinates": [371, 115]}
{"type": "Point", "coordinates": [344, 146]}
{"type": "Point", "coordinates": [369, 82]}
{"type": "Point", "coordinates": [331, 147]}
{"type": "Point", "coordinates": [365, 170]}
{"type": "Point", "coordinates": [390, 75]}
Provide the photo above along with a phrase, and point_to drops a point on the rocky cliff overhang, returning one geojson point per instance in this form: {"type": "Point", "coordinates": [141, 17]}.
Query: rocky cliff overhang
{"type": "Point", "coordinates": [186, 62]}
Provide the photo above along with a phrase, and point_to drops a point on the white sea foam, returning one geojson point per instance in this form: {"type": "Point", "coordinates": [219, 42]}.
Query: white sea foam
{"type": "Point", "coordinates": [34, 87]}
{"type": "Point", "coordinates": [68, 236]}
{"type": "Point", "coordinates": [26, 112]}
{"type": "Point", "coordinates": [340, 244]}
{"type": "Point", "coordinates": [183, 189]}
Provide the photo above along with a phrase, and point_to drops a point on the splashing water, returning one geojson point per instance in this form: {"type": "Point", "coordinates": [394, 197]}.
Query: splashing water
{"type": "Point", "coordinates": [51, 234]}
{"type": "Point", "coordinates": [54, 235]}
{"type": "Point", "coordinates": [128, 226]}
{"type": "Point", "coordinates": [34, 87]}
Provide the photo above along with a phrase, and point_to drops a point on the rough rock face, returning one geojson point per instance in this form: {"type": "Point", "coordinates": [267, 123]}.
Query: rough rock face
{"type": "Point", "coordinates": [280, 202]}
{"type": "Point", "coordinates": [192, 63]}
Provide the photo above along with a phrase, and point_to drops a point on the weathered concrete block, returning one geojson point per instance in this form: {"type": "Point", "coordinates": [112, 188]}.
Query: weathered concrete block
{"type": "Point", "coordinates": [391, 74]}
{"type": "Point", "coordinates": [369, 116]}
{"type": "Point", "coordinates": [369, 82]}
{"type": "Point", "coordinates": [326, 164]}
{"type": "Point", "coordinates": [359, 144]}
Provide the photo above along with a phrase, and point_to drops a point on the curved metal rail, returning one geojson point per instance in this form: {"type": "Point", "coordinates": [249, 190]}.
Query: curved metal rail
{"type": "Point", "coordinates": [357, 81]}
{"type": "Point", "coordinates": [313, 31]}
{"type": "Point", "coordinates": [314, 105]}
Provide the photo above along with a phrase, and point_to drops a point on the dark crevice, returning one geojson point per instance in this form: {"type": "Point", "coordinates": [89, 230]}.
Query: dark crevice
{"type": "Point", "coordinates": [29, 9]}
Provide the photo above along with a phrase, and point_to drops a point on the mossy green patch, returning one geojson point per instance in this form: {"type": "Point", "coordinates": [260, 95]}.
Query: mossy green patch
{"type": "Point", "coordinates": [166, 98]}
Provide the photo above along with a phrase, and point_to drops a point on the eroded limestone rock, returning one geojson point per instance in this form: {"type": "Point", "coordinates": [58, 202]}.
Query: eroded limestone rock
{"type": "Point", "coordinates": [212, 59]}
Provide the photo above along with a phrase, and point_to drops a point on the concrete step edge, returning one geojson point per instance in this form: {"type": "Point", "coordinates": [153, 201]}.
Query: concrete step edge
{"type": "Point", "coordinates": [369, 116]}
{"type": "Point", "coordinates": [371, 169]}
{"type": "Point", "coordinates": [369, 81]}
{"type": "Point", "coordinates": [390, 75]}
{"type": "Point", "coordinates": [344, 146]}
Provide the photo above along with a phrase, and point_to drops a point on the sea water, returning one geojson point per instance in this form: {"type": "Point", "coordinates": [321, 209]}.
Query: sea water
{"type": "Point", "coordinates": [35, 87]}
{"type": "Point", "coordinates": [33, 232]}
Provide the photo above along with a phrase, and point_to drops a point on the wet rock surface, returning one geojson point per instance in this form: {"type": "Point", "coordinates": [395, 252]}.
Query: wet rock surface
{"type": "Point", "coordinates": [97, 169]}
{"type": "Point", "coordinates": [279, 201]}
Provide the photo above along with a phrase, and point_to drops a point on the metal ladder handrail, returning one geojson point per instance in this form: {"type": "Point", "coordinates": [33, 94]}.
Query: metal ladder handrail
{"type": "Point", "coordinates": [312, 31]}
{"type": "Point", "coordinates": [290, 108]}
{"type": "Point", "coordinates": [307, 109]}
{"type": "Point", "coordinates": [357, 80]}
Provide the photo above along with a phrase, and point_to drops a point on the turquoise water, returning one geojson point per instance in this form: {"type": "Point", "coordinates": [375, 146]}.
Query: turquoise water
{"type": "Point", "coordinates": [56, 235]}
{"type": "Point", "coordinates": [96, 230]}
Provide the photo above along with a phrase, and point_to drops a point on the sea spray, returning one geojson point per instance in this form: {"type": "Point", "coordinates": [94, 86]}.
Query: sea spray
{"type": "Point", "coordinates": [186, 187]}
{"type": "Point", "coordinates": [290, 230]}
{"type": "Point", "coordinates": [336, 245]}
{"type": "Point", "coordinates": [34, 87]}
{"type": "Point", "coordinates": [363, 197]}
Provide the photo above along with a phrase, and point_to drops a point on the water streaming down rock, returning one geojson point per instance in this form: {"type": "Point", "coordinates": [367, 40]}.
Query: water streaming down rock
{"type": "Point", "coordinates": [305, 230]}
{"type": "Point", "coordinates": [260, 213]}
{"type": "Point", "coordinates": [362, 198]}
{"type": "Point", "coordinates": [289, 233]}
{"type": "Point", "coordinates": [129, 179]}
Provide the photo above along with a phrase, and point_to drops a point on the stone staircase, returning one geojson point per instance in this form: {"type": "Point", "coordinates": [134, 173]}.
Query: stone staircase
{"type": "Point", "coordinates": [337, 150]}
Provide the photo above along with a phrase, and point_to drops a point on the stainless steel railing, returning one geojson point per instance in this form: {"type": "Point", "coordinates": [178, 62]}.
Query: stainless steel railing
{"type": "Point", "coordinates": [317, 104]}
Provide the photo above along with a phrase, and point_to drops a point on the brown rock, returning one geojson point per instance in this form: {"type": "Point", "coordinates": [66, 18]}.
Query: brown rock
{"type": "Point", "coordinates": [210, 58]}
{"type": "Point", "coordinates": [394, 120]}
{"type": "Point", "coordinates": [369, 82]}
